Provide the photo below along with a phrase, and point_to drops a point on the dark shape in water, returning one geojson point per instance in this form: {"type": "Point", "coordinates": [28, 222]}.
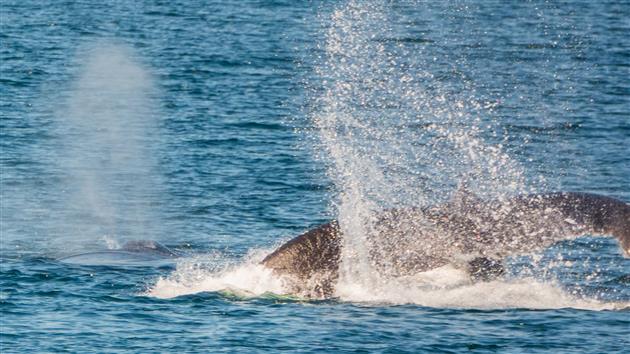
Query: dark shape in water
{"type": "Point", "coordinates": [467, 232]}
{"type": "Point", "coordinates": [136, 252]}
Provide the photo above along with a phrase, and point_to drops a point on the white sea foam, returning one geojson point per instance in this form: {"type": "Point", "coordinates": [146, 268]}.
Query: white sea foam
{"type": "Point", "coordinates": [244, 280]}
{"type": "Point", "coordinates": [448, 287]}
{"type": "Point", "coordinates": [445, 287]}
{"type": "Point", "coordinates": [211, 274]}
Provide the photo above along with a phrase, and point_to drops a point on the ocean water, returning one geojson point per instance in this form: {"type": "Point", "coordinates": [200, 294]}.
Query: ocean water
{"type": "Point", "coordinates": [222, 129]}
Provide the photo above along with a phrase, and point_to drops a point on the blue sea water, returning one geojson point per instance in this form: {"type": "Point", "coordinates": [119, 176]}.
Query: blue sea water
{"type": "Point", "coordinates": [198, 124]}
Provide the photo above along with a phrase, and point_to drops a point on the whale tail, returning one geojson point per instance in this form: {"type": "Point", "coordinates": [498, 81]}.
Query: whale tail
{"type": "Point", "coordinates": [624, 242]}
{"type": "Point", "coordinates": [579, 214]}
{"type": "Point", "coordinates": [612, 217]}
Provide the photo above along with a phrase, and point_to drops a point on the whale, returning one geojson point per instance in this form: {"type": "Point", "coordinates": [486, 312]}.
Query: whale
{"type": "Point", "coordinates": [467, 232]}
{"type": "Point", "coordinates": [132, 253]}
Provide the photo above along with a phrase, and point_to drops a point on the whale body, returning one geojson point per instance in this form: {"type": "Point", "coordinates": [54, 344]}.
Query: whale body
{"type": "Point", "coordinates": [467, 232]}
{"type": "Point", "coordinates": [135, 252]}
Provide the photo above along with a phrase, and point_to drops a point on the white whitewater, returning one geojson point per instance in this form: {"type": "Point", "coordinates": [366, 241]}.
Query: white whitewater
{"type": "Point", "coordinates": [444, 287]}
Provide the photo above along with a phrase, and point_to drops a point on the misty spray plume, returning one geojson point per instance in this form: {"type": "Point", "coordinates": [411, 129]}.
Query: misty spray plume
{"type": "Point", "coordinates": [391, 135]}
{"type": "Point", "coordinates": [108, 130]}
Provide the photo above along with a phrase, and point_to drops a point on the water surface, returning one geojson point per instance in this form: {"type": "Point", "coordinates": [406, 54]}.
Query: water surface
{"type": "Point", "coordinates": [196, 124]}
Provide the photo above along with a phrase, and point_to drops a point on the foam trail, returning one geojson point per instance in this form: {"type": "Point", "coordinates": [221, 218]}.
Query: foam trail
{"type": "Point", "coordinates": [107, 130]}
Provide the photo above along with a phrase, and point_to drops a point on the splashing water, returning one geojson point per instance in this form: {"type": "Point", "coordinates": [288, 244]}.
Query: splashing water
{"type": "Point", "coordinates": [450, 288]}
{"type": "Point", "coordinates": [393, 136]}
{"type": "Point", "coordinates": [445, 287]}
{"type": "Point", "coordinates": [107, 130]}
{"type": "Point", "coordinates": [213, 273]}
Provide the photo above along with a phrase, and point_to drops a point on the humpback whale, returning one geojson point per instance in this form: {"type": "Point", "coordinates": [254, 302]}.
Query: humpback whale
{"type": "Point", "coordinates": [134, 252]}
{"type": "Point", "coordinates": [466, 232]}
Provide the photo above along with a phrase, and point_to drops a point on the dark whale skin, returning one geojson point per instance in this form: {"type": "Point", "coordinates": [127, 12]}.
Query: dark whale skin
{"type": "Point", "coordinates": [486, 231]}
{"type": "Point", "coordinates": [132, 253]}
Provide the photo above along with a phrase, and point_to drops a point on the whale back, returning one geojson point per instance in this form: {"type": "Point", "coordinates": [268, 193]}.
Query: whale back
{"type": "Point", "coordinates": [309, 261]}
{"type": "Point", "coordinates": [147, 246]}
{"type": "Point", "coordinates": [132, 253]}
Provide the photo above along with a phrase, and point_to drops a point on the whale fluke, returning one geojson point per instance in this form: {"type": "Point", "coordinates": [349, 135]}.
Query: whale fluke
{"type": "Point", "coordinates": [467, 232]}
